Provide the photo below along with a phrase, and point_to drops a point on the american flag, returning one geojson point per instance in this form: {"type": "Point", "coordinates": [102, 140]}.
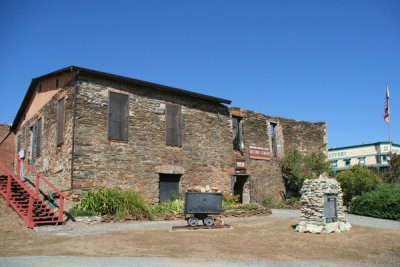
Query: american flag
{"type": "Point", "coordinates": [386, 117]}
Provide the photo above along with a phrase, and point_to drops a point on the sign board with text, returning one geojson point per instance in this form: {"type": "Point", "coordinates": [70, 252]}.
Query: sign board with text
{"type": "Point", "coordinates": [257, 152]}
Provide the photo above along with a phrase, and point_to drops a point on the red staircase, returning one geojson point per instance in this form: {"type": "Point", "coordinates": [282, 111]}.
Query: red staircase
{"type": "Point", "coordinates": [28, 202]}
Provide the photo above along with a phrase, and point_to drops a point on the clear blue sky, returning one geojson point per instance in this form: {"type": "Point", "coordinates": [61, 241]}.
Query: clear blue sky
{"type": "Point", "coordinates": [306, 60]}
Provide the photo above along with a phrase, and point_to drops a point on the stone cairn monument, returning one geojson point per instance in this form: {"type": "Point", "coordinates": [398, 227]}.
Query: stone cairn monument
{"type": "Point", "coordinates": [322, 207]}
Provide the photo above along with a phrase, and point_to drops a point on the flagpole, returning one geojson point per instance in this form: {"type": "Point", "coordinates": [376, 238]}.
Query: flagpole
{"type": "Point", "coordinates": [390, 139]}
{"type": "Point", "coordinates": [387, 120]}
{"type": "Point", "coordinates": [390, 135]}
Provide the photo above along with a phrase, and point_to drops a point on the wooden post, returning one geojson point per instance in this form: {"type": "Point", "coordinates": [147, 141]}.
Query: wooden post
{"type": "Point", "coordinates": [61, 210]}
{"type": "Point", "coordinates": [29, 219]}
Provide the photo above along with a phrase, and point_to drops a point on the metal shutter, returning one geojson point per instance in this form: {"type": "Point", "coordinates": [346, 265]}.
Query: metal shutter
{"type": "Point", "coordinates": [118, 117]}
{"type": "Point", "coordinates": [173, 125]}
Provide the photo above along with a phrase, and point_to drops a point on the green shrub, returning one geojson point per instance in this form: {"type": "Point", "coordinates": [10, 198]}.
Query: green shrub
{"type": "Point", "coordinates": [122, 204]}
{"type": "Point", "coordinates": [267, 202]}
{"type": "Point", "coordinates": [393, 176]}
{"type": "Point", "coordinates": [297, 167]}
{"type": "Point", "coordinates": [230, 202]}
{"type": "Point", "coordinates": [357, 181]}
{"type": "Point", "coordinates": [75, 212]}
{"type": "Point", "coordinates": [383, 202]}
{"type": "Point", "coordinates": [169, 208]}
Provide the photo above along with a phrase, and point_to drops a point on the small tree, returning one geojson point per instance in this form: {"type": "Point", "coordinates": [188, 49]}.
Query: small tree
{"type": "Point", "coordinates": [297, 167]}
{"type": "Point", "coordinates": [357, 181]}
{"type": "Point", "coordinates": [393, 176]}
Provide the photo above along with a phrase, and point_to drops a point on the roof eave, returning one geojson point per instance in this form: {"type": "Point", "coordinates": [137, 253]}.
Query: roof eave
{"type": "Point", "coordinates": [81, 70]}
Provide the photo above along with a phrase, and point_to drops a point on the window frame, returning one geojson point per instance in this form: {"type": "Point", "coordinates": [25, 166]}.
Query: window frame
{"type": "Point", "coordinates": [272, 126]}
{"type": "Point", "coordinates": [124, 130]}
{"type": "Point", "coordinates": [237, 132]}
{"type": "Point", "coordinates": [60, 130]}
{"type": "Point", "coordinates": [173, 125]}
{"type": "Point", "coordinates": [39, 138]}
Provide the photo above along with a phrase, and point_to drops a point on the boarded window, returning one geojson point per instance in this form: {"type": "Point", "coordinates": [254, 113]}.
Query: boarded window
{"type": "Point", "coordinates": [118, 117]}
{"type": "Point", "coordinates": [60, 121]}
{"type": "Point", "coordinates": [39, 138]}
{"type": "Point", "coordinates": [173, 125]}
{"type": "Point", "coordinates": [237, 134]}
{"type": "Point", "coordinates": [33, 144]}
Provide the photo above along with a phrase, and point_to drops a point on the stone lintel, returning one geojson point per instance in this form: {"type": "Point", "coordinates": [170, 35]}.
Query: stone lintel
{"type": "Point", "coordinates": [169, 169]}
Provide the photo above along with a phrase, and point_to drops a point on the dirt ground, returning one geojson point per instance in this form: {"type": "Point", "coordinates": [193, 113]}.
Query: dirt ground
{"type": "Point", "coordinates": [271, 239]}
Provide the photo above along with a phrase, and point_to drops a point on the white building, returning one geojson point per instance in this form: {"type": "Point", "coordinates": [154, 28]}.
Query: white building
{"type": "Point", "coordinates": [374, 155]}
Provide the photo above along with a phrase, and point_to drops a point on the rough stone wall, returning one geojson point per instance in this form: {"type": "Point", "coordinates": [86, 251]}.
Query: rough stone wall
{"type": "Point", "coordinates": [7, 148]}
{"type": "Point", "coordinates": [304, 136]}
{"type": "Point", "coordinates": [266, 175]}
{"type": "Point", "coordinates": [204, 158]}
{"type": "Point", "coordinates": [55, 161]}
{"type": "Point", "coordinates": [312, 218]}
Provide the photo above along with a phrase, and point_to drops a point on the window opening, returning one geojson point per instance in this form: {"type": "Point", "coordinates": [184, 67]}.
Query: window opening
{"type": "Point", "coordinates": [274, 145]}
{"type": "Point", "coordinates": [118, 117]}
{"type": "Point", "coordinates": [39, 138]}
{"type": "Point", "coordinates": [173, 125]}
{"type": "Point", "coordinates": [237, 133]}
{"type": "Point", "coordinates": [60, 121]}
{"type": "Point", "coordinates": [33, 143]}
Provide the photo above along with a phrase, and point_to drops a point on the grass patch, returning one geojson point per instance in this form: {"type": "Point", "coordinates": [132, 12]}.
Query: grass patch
{"type": "Point", "coordinates": [290, 203]}
{"type": "Point", "coordinates": [121, 204]}
{"type": "Point", "coordinates": [76, 212]}
{"type": "Point", "coordinates": [232, 203]}
{"type": "Point", "coordinates": [172, 207]}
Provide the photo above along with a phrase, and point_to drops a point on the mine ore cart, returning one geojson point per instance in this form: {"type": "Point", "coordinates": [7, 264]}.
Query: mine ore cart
{"type": "Point", "coordinates": [198, 206]}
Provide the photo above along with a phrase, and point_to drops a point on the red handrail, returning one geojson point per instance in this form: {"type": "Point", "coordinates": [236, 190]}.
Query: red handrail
{"type": "Point", "coordinates": [32, 195]}
{"type": "Point", "coordinates": [19, 181]}
{"type": "Point", "coordinates": [39, 177]}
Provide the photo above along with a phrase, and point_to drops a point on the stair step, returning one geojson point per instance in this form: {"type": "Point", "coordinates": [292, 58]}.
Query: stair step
{"type": "Point", "coordinates": [48, 223]}
{"type": "Point", "coordinates": [41, 213]}
{"type": "Point", "coordinates": [45, 218]}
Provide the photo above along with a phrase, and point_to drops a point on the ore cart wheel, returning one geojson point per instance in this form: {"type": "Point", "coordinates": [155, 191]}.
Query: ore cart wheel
{"type": "Point", "coordinates": [209, 221]}
{"type": "Point", "coordinates": [193, 221]}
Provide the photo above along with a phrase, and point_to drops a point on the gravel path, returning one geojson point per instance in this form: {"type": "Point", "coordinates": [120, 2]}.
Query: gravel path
{"type": "Point", "coordinates": [353, 219]}
{"type": "Point", "coordinates": [73, 229]}
{"type": "Point", "coordinates": [61, 261]}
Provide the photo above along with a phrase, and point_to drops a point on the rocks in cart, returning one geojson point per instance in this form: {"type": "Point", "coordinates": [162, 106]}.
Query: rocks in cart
{"type": "Point", "coordinates": [204, 189]}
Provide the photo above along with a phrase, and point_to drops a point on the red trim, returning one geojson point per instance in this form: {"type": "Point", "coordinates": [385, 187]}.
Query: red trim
{"type": "Point", "coordinates": [13, 186]}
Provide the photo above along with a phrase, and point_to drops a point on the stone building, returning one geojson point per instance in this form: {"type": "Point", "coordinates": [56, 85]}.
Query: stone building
{"type": "Point", "coordinates": [86, 129]}
{"type": "Point", "coordinates": [7, 147]}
